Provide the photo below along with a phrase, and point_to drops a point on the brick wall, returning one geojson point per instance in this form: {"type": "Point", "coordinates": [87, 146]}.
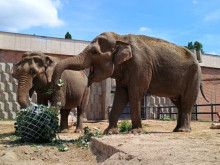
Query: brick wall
{"type": "Point", "coordinates": [11, 56]}
{"type": "Point", "coordinates": [211, 90]}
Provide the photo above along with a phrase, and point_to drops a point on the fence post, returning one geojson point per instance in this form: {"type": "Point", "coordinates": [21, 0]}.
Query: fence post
{"type": "Point", "coordinates": [196, 109]}
{"type": "Point", "coordinates": [212, 112]}
{"type": "Point", "coordinates": [170, 111]}
{"type": "Point", "coordinates": [158, 113]}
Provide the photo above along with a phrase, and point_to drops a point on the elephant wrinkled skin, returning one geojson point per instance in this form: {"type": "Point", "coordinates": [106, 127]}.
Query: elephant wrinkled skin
{"type": "Point", "coordinates": [140, 64]}
{"type": "Point", "coordinates": [34, 73]}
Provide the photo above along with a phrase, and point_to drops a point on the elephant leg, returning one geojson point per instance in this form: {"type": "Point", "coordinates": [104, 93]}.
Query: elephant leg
{"type": "Point", "coordinates": [184, 118]}
{"type": "Point", "coordinates": [177, 103]}
{"type": "Point", "coordinates": [79, 125]}
{"type": "Point", "coordinates": [185, 106]}
{"type": "Point", "coordinates": [81, 111]}
{"type": "Point", "coordinates": [135, 111]}
{"type": "Point", "coordinates": [119, 103]}
{"type": "Point", "coordinates": [64, 120]}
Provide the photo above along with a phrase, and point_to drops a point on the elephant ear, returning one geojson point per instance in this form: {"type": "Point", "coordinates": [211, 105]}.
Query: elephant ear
{"type": "Point", "coordinates": [50, 64]}
{"type": "Point", "coordinates": [122, 52]}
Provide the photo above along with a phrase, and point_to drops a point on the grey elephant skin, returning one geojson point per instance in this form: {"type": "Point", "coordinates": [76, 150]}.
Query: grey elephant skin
{"type": "Point", "coordinates": [140, 64]}
{"type": "Point", "coordinates": [34, 73]}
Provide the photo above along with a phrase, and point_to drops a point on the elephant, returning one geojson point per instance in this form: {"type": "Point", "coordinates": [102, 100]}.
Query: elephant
{"type": "Point", "coordinates": [139, 64]}
{"type": "Point", "coordinates": [34, 73]}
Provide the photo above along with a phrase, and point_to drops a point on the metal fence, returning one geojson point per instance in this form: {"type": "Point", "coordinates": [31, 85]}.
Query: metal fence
{"type": "Point", "coordinates": [172, 111]}
{"type": "Point", "coordinates": [195, 112]}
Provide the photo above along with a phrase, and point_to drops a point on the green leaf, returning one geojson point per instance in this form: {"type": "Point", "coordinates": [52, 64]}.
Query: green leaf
{"type": "Point", "coordinates": [60, 83]}
{"type": "Point", "coordinates": [48, 91]}
{"type": "Point", "coordinates": [63, 148]}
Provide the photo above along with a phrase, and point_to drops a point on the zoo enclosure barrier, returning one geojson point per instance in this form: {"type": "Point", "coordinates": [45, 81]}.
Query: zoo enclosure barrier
{"type": "Point", "coordinates": [195, 112]}
{"type": "Point", "coordinates": [158, 111]}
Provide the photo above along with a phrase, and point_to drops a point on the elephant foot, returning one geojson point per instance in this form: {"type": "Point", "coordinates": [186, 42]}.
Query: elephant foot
{"type": "Point", "coordinates": [136, 131]}
{"type": "Point", "coordinates": [182, 129]}
{"type": "Point", "coordinates": [78, 130]}
{"type": "Point", "coordinates": [64, 131]}
{"type": "Point", "coordinates": [111, 131]}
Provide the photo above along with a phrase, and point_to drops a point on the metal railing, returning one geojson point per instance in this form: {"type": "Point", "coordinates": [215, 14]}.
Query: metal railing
{"type": "Point", "coordinates": [158, 111]}
{"type": "Point", "coordinates": [195, 112]}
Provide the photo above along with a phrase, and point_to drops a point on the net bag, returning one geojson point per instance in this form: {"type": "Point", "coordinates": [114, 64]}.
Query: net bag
{"type": "Point", "coordinates": [37, 123]}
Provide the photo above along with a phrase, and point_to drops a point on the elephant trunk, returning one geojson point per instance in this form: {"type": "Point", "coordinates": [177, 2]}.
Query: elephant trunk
{"type": "Point", "coordinates": [24, 85]}
{"type": "Point", "coordinates": [79, 62]}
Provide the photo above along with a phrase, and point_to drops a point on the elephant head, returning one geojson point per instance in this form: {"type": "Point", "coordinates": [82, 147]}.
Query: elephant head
{"type": "Point", "coordinates": [102, 56]}
{"type": "Point", "coordinates": [33, 65]}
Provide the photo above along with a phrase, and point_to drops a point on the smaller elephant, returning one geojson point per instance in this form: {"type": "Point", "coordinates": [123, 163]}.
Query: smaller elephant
{"type": "Point", "coordinates": [34, 73]}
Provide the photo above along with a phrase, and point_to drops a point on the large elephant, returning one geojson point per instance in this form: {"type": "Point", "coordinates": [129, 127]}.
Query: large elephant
{"type": "Point", "coordinates": [140, 64]}
{"type": "Point", "coordinates": [34, 73]}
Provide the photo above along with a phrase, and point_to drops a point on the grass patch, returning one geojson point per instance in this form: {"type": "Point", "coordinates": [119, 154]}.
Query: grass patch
{"type": "Point", "coordinates": [7, 119]}
{"type": "Point", "coordinates": [167, 118]}
{"type": "Point", "coordinates": [124, 126]}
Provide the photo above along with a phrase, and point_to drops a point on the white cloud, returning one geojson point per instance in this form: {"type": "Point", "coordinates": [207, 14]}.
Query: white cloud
{"type": "Point", "coordinates": [144, 29]}
{"type": "Point", "coordinates": [213, 16]}
{"type": "Point", "coordinates": [212, 53]}
{"type": "Point", "coordinates": [195, 1]}
{"type": "Point", "coordinates": [17, 15]}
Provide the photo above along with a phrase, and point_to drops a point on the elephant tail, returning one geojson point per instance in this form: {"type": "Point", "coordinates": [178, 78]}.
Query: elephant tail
{"type": "Point", "coordinates": [201, 89]}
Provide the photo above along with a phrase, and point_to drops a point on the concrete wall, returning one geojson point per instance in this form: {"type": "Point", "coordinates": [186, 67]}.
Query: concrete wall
{"type": "Point", "coordinates": [22, 42]}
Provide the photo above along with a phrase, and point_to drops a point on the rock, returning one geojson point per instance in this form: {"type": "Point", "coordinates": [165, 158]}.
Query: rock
{"type": "Point", "coordinates": [215, 126]}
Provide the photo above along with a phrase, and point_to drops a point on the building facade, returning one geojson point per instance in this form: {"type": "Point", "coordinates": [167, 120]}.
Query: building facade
{"type": "Point", "coordinates": [13, 45]}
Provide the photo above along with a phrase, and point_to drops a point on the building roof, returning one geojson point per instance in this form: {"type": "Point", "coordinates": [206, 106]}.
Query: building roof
{"type": "Point", "coordinates": [24, 42]}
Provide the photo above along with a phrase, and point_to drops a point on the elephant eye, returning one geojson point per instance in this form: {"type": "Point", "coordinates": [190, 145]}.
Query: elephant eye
{"type": "Point", "coordinates": [38, 61]}
{"type": "Point", "coordinates": [94, 52]}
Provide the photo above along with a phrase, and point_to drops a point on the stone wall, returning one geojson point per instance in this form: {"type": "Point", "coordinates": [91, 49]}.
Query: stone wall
{"type": "Point", "coordinates": [8, 93]}
{"type": "Point", "coordinates": [98, 102]}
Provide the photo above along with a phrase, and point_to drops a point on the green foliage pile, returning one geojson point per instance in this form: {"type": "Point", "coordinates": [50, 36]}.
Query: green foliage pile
{"type": "Point", "coordinates": [48, 91]}
{"type": "Point", "coordinates": [124, 126]}
{"type": "Point", "coordinates": [37, 123]}
{"type": "Point", "coordinates": [83, 141]}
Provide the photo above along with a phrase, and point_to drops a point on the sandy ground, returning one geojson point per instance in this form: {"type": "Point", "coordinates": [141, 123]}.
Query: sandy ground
{"type": "Point", "coordinates": [159, 146]}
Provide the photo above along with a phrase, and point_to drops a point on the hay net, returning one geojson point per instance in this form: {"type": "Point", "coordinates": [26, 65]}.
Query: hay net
{"type": "Point", "coordinates": [37, 123]}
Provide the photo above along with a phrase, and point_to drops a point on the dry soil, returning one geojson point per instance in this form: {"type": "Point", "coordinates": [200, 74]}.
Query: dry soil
{"type": "Point", "coordinates": [159, 146]}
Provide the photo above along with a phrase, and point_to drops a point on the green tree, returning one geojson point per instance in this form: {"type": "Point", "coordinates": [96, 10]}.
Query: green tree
{"type": "Point", "coordinates": [190, 45]}
{"type": "Point", "coordinates": [68, 36]}
{"type": "Point", "coordinates": [196, 45]}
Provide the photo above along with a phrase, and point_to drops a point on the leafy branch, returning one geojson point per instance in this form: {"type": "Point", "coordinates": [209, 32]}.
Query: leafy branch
{"type": "Point", "coordinates": [83, 141]}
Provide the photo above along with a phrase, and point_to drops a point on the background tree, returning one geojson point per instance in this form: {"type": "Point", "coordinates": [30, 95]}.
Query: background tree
{"type": "Point", "coordinates": [196, 45]}
{"type": "Point", "coordinates": [68, 36]}
{"type": "Point", "coordinates": [190, 45]}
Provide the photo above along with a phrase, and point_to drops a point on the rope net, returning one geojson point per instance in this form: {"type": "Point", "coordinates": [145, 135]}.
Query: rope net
{"type": "Point", "coordinates": [37, 123]}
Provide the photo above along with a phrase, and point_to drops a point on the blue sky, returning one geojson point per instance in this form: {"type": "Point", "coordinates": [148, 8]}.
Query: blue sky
{"type": "Point", "coordinates": [177, 21]}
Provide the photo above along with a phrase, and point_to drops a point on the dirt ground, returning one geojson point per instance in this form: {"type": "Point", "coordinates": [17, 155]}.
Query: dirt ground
{"type": "Point", "coordinates": [205, 140]}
